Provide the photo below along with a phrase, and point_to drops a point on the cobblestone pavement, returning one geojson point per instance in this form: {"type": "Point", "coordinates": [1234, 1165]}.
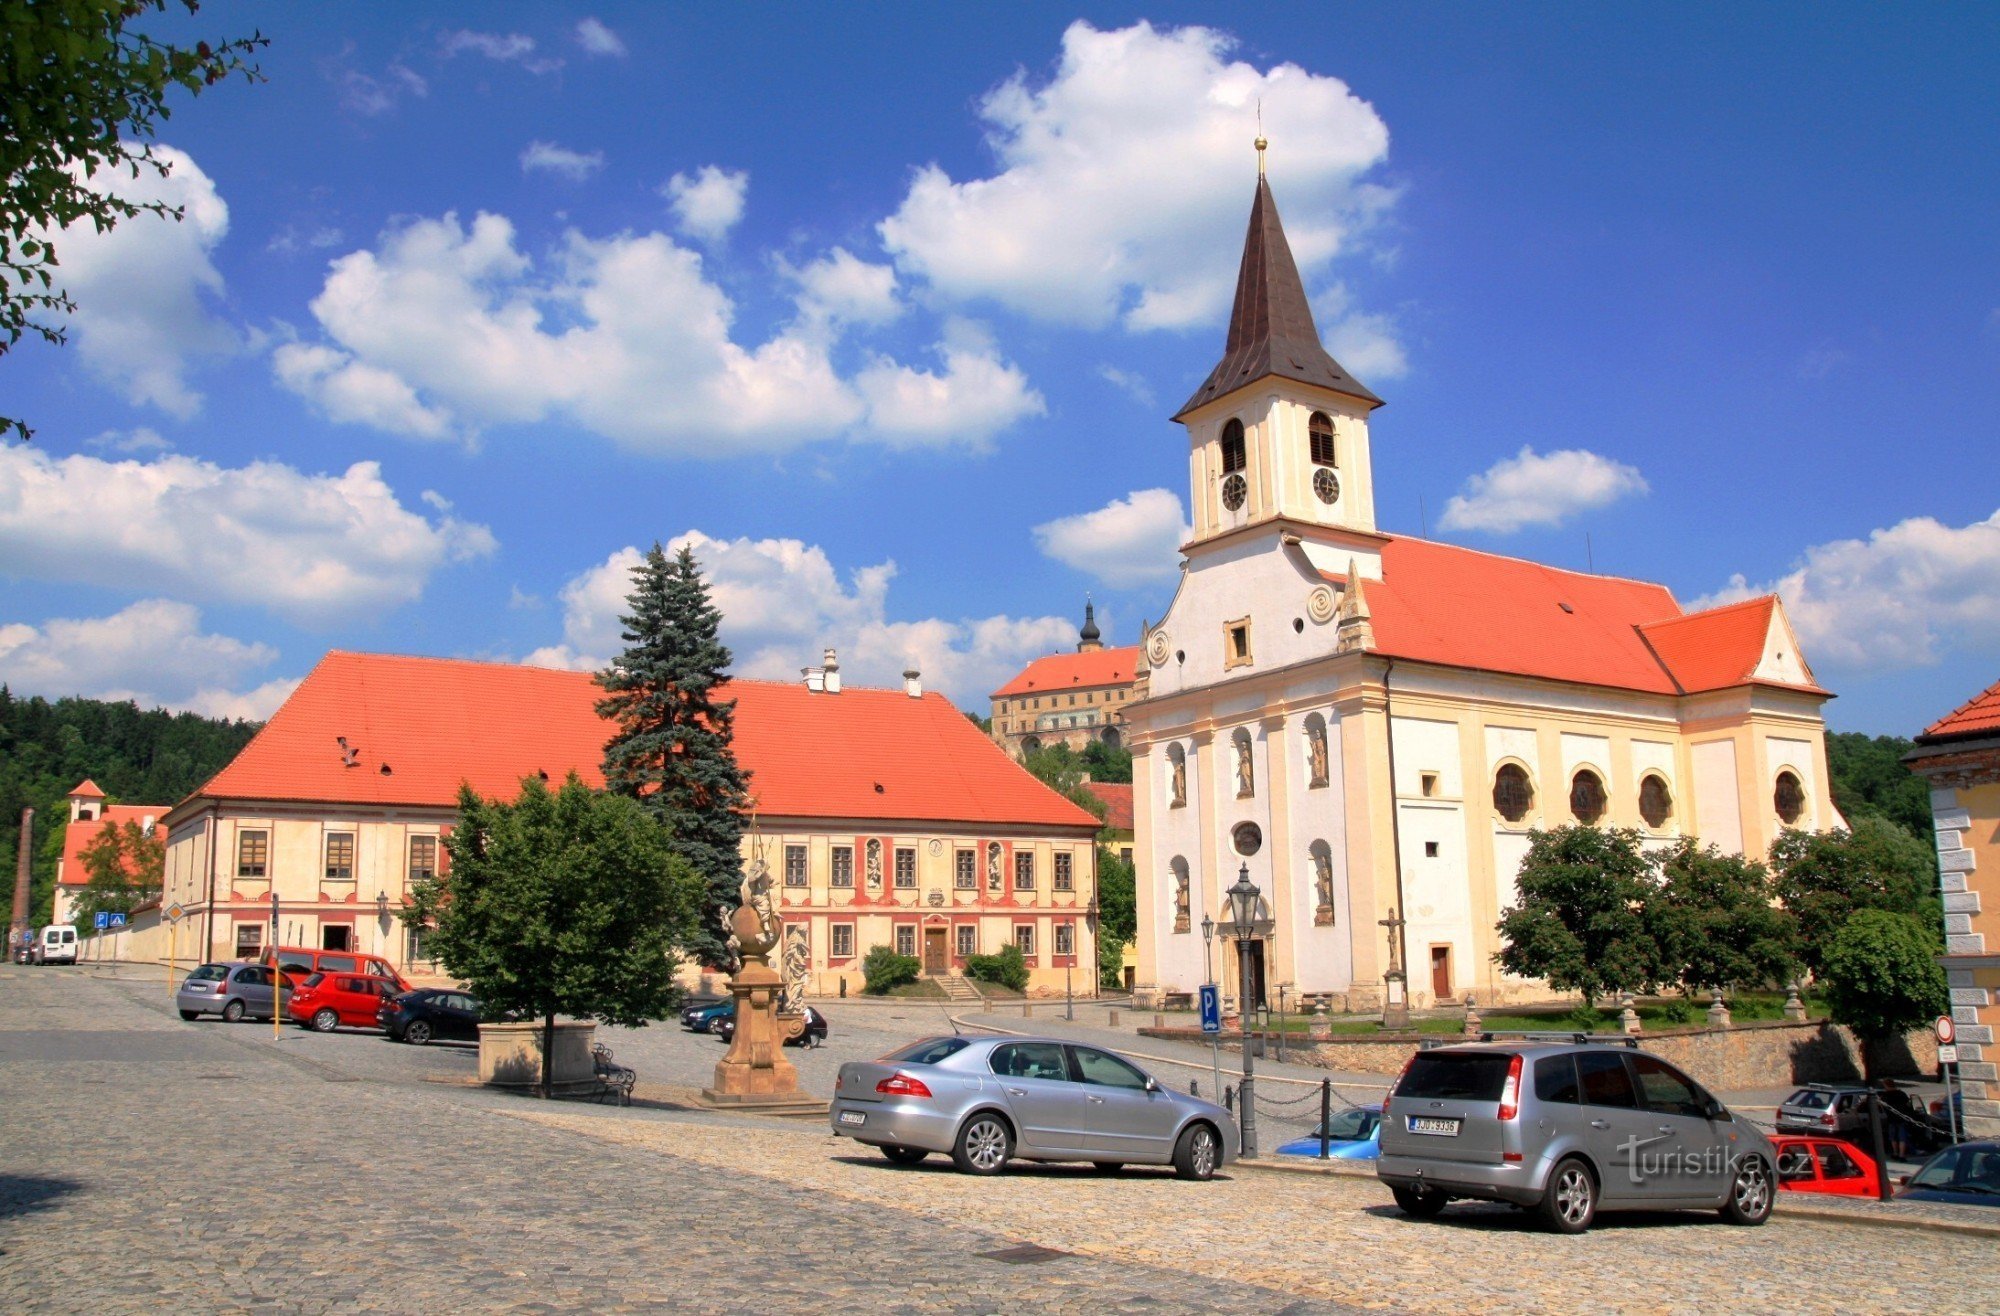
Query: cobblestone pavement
{"type": "Point", "coordinates": [146, 1164]}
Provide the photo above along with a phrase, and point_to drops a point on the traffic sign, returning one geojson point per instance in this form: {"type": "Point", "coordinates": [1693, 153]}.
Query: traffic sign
{"type": "Point", "coordinates": [103, 920]}
{"type": "Point", "coordinates": [174, 912]}
{"type": "Point", "coordinates": [1947, 1054]}
{"type": "Point", "coordinates": [114, 919]}
{"type": "Point", "coordinates": [1946, 1030]}
{"type": "Point", "coordinates": [1211, 1008]}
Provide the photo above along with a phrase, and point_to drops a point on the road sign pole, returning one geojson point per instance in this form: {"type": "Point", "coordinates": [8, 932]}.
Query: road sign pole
{"type": "Point", "coordinates": [277, 974]}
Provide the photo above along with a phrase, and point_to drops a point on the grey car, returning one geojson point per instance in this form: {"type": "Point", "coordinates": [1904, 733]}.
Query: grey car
{"type": "Point", "coordinates": [230, 990]}
{"type": "Point", "coordinates": [1567, 1129]}
{"type": "Point", "coordinates": [986, 1101]}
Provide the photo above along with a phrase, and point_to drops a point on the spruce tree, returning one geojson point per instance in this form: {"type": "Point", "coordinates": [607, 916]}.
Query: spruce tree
{"type": "Point", "coordinates": [672, 751]}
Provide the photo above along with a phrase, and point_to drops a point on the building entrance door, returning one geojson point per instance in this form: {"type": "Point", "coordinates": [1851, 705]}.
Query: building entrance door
{"type": "Point", "coordinates": [1441, 974]}
{"type": "Point", "coordinates": [1254, 957]}
{"type": "Point", "coordinates": [935, 959]}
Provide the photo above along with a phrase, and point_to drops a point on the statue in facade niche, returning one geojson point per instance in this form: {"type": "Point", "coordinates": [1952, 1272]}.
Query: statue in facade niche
{"type": "Point", "coordinates": [874, 864]}
{"type": "Point", "coordinates": [1323, 885]}
{"type": "Point", "coordinates": [1246, 778]}
{"type": "Point", "coordinates": [1180, 780]}
{"type": "Point", "coordinates": [1316, 746]}
{"type": "Point", "coordinates": [993, 866]}
{"type": "Point", "coordinates": [1182, 906]}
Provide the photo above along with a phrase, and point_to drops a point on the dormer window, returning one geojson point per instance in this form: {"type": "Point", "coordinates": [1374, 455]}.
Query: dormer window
{"type": "Point", "coordinates": [1320, 427]}
{"type": "Point", "coordinates": [1234, 457]}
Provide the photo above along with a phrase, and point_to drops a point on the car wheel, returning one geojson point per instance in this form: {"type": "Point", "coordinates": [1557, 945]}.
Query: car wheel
{"type": "Point", "coordinates": [1198, 1152]}
{"type": "Point", "coordinates": [1107, 1167]}
{"type": "Point", "coordinates": [1422, 1203]}
{"type": "Point", "coordinates": [190, 1015]}
{"type": "Point", "coordinates": [1569, 1203]}
{"type": "Point", "coordinates": [1749, 1194]}
{"type": "Point", "coordinates": [904, 1155]}
{"type": "Point", "coordinates": [417, 1033]}
{"type": "Point", "coordinates": [233, 1012]}
{"type": "Point", "coordinates": [326, 1021]}
{"type": "Point", "coordinates": [984, 1144]}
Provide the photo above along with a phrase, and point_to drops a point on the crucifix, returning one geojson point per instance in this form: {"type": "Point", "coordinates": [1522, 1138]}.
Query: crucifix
{"type": "Point", "coordinates": [1395, 925]}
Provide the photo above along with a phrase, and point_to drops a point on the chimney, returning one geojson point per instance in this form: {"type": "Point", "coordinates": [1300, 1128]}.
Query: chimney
{"type": "Point", "coordinates": [913, 683]}
{"type": "Point", "coordinates": [832, 669]}
{"type": "Point", "coordinates": [24, 873]}
{"type": "Point", "coordinates": [815, 679]}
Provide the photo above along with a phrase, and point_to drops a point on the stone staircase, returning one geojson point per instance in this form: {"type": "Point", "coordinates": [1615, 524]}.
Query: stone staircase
{"type": "Point", "coordinates": [959, 989]}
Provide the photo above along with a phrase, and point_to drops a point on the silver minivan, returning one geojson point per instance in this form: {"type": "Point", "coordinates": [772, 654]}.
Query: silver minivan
{"type": "Point", "coordinates": [233, 991]}
{"type": "Point", "coordinates": [1567, 1129]}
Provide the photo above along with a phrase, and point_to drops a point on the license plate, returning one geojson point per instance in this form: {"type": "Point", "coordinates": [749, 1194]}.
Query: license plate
{"type": "Point", "coordinates": [1444, 1128]}
{"type": "Point", "coordinates": [853, 1117]}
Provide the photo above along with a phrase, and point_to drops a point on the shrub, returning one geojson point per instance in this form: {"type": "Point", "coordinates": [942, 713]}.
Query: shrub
{"type": "Point", "coordinates": [885, 970]}
{"type": "Point", "coordinates": [1678, 1011]}
{"type": "Point", "coordinates": [1007, 968]}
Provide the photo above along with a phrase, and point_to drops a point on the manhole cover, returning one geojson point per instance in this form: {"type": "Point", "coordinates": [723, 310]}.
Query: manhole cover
{"type": "Point", "coordinates": [1027, 1254]}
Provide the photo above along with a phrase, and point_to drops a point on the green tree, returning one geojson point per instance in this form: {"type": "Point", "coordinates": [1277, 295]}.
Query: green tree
{"type": "Point", "coordinates": [1117, 915]}
{"type": "Point", "coordinates": [672, 750]}
{"type": "Point", "coordinates": [1581, 921]}
{"type": "Point", "coordinates": [1061, 769]}
{"type": "Point", "coordinates": [1712, 916]}
{"type": "Point", "coordinates": [1823, 877]}
{"type": "Point", "coordinates": [565, 902]}
{"type": "Point", "coordinates": [883, 970]}
{"type": "Point", "coordinates": [1008, 968]}
{"type": "Point", "coordinates": [1881, 976]}
{"type": "Point", "coordinates": [1870, 780]}
{"type": "Point", "coordinates": [1107, 763]}
{"type": "Point", "coordinates": [82, 94]}
{"type": "Point", "coordinates": [127, 866]}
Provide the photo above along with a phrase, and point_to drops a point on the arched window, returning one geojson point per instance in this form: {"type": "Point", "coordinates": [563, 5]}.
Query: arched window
{"type": "Point", "coordinates": [1177, 779]}
{"type": "Point", "coordinates": [1183, 895]}
{"type": "Point", "coordinates": [1029, 744]}
{"type": "Point", "coordinates": [1316, 756]}
{"type": "Point", "coordinates": [1586, 796]}
{"type": "Point", "coordinates": [1321, 429]}
{"type": "Point", "coordinates": [1513, 793]}
{"type": "Point", "coordinates": [1111, 738]}
{"type": "Point", "coordinates": [1789, 798]}
{"type": "Point", "coordinates": [1656, 801]}
{"type": "Point", "coordinates": [1234, 458]}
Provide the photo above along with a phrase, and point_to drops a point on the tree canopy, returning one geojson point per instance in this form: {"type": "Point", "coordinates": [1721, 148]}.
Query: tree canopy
{"type": "Point", "coordinates": [1713, 920]}
{"type": "Point", "coordinates": [1881, 974]}
{"type": "Point", "coordinates": [82, 94]}
{"type": "Point", "coordinates": [672, 751]}
{"type": "Point", "coordinates": [1581, 921]}
{"type": "Point", "coordinates": [1062, 770]}
{"type": "Point", "coordinates": [1117, 915]}
{"type": "Point", "coordinates": [1823, 877]}
{"type": "Point", "coordinates": [1870, 780]}
{"type": "Point", "coordinates": [126, 865]}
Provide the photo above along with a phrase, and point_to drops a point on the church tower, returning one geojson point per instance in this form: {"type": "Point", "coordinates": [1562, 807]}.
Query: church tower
{"type": "Point", "coordinates": [1278, 432]}
{"type": "Point", "coordinates": [1089, 639]}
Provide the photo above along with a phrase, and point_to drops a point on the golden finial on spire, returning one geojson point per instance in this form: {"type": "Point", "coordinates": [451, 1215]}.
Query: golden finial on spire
{"type": "Point", "coordinates": [1260, 143]}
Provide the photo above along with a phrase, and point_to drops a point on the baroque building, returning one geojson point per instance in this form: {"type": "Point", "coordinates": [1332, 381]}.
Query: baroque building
{"type": "Point", "coordinates": [1071, 699]}
{"type": "Point", "coordinates": [1369, 724]}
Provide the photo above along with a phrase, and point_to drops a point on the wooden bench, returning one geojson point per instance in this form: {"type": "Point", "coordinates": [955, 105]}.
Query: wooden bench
{"type": "Point", "coordinates": [613, 1080]}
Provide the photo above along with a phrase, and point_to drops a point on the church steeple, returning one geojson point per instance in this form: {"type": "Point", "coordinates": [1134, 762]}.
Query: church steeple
{"type": "Point", "coordinates": [1089, 639]}
{"type": "Point", "coordinates": [1271, 330]}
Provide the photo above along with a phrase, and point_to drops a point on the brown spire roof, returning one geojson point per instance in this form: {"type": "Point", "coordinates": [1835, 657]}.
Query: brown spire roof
{"type": "Point", "coordinates": [1271, 329]}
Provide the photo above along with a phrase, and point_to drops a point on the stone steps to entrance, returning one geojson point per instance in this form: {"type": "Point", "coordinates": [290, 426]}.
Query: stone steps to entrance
{"type": "Point", "coordinates": [958, 988]}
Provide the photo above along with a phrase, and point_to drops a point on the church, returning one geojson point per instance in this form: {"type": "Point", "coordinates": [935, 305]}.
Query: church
{"type": "Point", "coordinates": [1369, 725]}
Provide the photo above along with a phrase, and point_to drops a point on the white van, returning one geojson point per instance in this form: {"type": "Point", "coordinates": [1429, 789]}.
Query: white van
{"type": "Point", "coordinates": [58, 944]}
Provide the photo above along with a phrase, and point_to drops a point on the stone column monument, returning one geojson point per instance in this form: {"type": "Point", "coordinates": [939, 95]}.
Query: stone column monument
{"type": "Point", "coordinates": [755, 1073]}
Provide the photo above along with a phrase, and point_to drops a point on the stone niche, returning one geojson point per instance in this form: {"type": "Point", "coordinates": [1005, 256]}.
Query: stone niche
{"type": "Point", "coordinates": [510, 1055]}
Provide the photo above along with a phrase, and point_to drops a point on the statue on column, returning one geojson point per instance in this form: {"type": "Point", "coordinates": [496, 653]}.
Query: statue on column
{"type": "Point", "coordinates": [755, 1071]}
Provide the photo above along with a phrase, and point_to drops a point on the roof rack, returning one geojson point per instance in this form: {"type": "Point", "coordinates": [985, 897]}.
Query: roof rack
{"type": "Point", "coordinates": [1571, 1038]}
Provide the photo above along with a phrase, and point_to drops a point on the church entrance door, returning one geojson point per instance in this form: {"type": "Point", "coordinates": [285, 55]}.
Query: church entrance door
{"type": "Point", "coordinates": [935, 960]}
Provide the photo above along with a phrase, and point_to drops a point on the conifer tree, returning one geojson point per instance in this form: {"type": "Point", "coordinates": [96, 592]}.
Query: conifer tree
{"type": "Point", "coordinates": [672, 751]}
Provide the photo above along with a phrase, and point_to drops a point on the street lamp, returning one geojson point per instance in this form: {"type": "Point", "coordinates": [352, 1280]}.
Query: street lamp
{"type": "Point", "coordinates": [1243, 904]}
{"type": "Point", "coordinates": [1207, 936]}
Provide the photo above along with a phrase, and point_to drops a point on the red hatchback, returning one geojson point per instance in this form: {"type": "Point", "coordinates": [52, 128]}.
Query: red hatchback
{"type": "Point", "coordinates": [1826, 1165]}
{"type": "Point", "coordinates": [325, 1001]}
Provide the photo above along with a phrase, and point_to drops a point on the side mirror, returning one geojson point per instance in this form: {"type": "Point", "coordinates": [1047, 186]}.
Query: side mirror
{"type": "Point", "coordinates": [1903, 1181]}
{"type": "Point", "coordinates": [1152, 1084]}
{"type": "Point", "coordinates": [1715, 1110]}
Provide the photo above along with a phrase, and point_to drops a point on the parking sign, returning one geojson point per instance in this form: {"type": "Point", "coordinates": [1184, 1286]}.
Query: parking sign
{"type": "Point", "coordinates": [1211, 1008]}
{"type": "Point", "coordinates": [103, 920]}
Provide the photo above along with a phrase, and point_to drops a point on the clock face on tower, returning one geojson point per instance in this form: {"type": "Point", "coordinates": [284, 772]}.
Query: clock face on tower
{"type": "Point", "coordinates": [1234, 490]}
{"type": "Point", "coordinates": [1326, 484]}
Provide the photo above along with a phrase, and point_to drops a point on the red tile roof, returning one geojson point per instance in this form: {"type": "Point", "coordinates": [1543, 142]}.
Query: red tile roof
{"type": "Point", "coordinates": [1074, 671]}
{"type": "Point", "coordinates": [81, 832]}
{"type": "Point", "coordinates": [88, 790]}
{"type": "Point", "coordinates": [1978, 716]}
{"type": "Point", "coordinates": [420, 726]}
{"type": "Point", "coordinates": [1117, 797]}
{"type": "Point", "coordinates": [1440, 603]}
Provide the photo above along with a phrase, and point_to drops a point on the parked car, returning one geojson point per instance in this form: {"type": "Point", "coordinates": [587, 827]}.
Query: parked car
{"type": "Point", "coordinates": [1568, 1129]}
{"type": "Point", "coordinates": [814, 1033]}
{"type": "Point", "coordinates": [325, 1001]}
{"type": "Point", "coordinates": [233, 990]}
{"type": "Point", "coordinates": [986, 1101]}
{"type": "Point", "coordinates": [430, 1013]}
{"type": "Point", "coordinates": [301, 962]}
{"type": "Point", "coordinates": [1829, 1109]}
{"type": "Point", "coordinates": [1826, 1165]}
{"type": "Point", "coordinates": [56, 945]}
{"type": "Point", "coordinates": [701, 1018]}
{"type": "Point", "coordinates": [1351, 1135]}
{"type": "Point", "coordinates": [1968, 1174]}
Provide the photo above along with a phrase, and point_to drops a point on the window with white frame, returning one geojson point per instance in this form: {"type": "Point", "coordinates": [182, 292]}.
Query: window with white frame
{"type": "Point", "coordinates": [340, 856]}
{"type": "Point", "coordinates": [423, 858]}
{"type": "Point", "coordinates": [1024, 937]}
{"type": "Point", "coordinates": [843, 865]}
{"type": "Point", "coordinates": [1024, 870]}
{"type": "Point", "coordinates": [843, 941]}
{"type": "Point", "coordinates": [795, 865]}
{"type": "Point", "coordinates": [1065, 879]}
{"type": "Point", "coordinates": [1065, 939]}
{"type": "Point", "coordinates": [965, 871]}
{"type": "Point", "coordinates": [253, 854]}
{"type": "Point", "coordinates": [906, 869]}
{"type": "Point", "coordinates": [906, 940]}
{"type": "Point", "coordinates": [968, 940]}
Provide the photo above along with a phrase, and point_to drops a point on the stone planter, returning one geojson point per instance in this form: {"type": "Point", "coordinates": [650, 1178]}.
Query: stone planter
{"type": "Point", "coordinates": [510, 1055]}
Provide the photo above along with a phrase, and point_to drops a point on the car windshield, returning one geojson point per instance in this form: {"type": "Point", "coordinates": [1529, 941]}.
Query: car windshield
{"type": "Point", "coordinates": [1963, 1170]}
{"type": "Point", "coordinates": [1351, 1125]}
{"type": "Point", "coordinates": [1810, 1100]}
{"type": "Point", "coordinates": [927, 1052]}
{"type": "Point", "coordinates": [1456, 1075]}
{"type": "Point", "coordinates": [209, 973]}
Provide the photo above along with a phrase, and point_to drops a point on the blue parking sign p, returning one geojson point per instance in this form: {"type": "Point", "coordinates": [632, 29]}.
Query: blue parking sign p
{"type": "Point", "coordinates": [103, 920]}
{"type": "Point", "coordinates": [1211, 1008]}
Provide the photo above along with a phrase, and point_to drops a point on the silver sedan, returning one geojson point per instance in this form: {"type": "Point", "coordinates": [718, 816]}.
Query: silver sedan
{"type": "Point", "coordinates": [985, 1101]}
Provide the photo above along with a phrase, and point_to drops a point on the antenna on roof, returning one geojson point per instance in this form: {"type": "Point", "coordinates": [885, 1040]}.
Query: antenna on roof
{"type": "Point", "coordinates": [1589, 557]}
{"type": "Point", "coordinates": [1423, 520]}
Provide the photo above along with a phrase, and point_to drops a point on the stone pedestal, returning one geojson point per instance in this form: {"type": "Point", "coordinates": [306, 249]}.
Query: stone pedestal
{"type": "Point", "coordinates": [755, 1072]}
{"type": "Point", "coordinates": [1319, 1030]}
{"type": "Point", "coordinates": [1795, 1009]}
{"type": "Point", "coordinates": [1628, 1015]}
{"type": "Point", "coordinates": [1718, 1013]}
{"type": "Point", "coordinates": [510, 1055]}
{"type": "Point", "coordinates": [1473, 1025]}
{"type": "Point", "coordinates": [1395, 1002]}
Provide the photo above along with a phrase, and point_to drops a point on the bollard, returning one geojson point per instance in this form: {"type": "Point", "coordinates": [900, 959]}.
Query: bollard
{"type": "Point", "coordinates": [1194, 1087]}
{"type": "Point", "coordinates": [1325, 1119]}
{"type": "Point", "coordinates": [1159, 1020]}
{"type": "Point", "coordinates": [1027, 1010]}
{"type": "Point", "coordinates": [1114, 1018]}
{"type": "Point", "coordinates": [986, 1005]}
{"type": "Point", "coordinates": [1228, 1098]}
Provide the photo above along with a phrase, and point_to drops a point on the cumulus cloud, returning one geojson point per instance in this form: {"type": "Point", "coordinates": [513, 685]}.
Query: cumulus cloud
{"type": "Point", "coordinates": [1125, 178]}
{"type": "Point", "coordinates": [1129, 541]}
{"type": "Point", "coordinates": [597, 39]}
{"type": "Point", "coordinates": [840, 287]}
{"type": "Point", "coordinates": [132, 442]}
{"type": "Point", "coordinates": [1131, 383]}
{"type": "Point", "coordinates": [145, 290]}
{"type": "Point", "coordinates": [1900, 598]}
{"type": "Point", "coordinates": [153, 653]}
{"type": "Point", "coordinates": [317, 548]}
{"type": "Point", "coordinates": [493, 45]}
{"type": "Point", "coordinates": [549, 158]}
{"type": "Point", "coordinates": [625, 336]}
{"type": "Point", "coordinates": [1539, 489]}
{"type": "Point", "coordinates": [353, 392]}
{"type": "Point", "coordinates": [365, 94]}
{"type": "Point", "coordinates": [707, 203]}
{"type": "Point", "coordinates": [783, 601]}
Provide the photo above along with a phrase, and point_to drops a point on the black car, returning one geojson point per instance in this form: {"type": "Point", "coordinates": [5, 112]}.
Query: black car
{"type": "Point", "coordinates": [1968, 1174]}
{"type": "Point", "coordinates": [430, 1013]}
{"type": "Point", "coordinates": [724, 1028]}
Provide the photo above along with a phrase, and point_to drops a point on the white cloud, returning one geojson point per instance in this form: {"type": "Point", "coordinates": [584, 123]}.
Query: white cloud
{"type": "Point", "coordinates": [597, 39]}
{"type": "Point", "coordinates": [1539, 489]}
{"type": "Point", "coordinates": [353, 392]}
{"type": "Point", "coordinates": [553, 159]}
{"type": "Point", "coordinates": [292, 239]}
{"type": "Point", "coordinates": [153, 652]}
{"type": "Point", "coordinates": [1129, 541]}
{"type": "Point", "coordinates": [320, 549]}
{"type": "Point", "coordinates": [365, 94]}
{"type": "Point", "coordinates": [1125, 178]}
{"type": "Point", "coordinates": [493, 45]}
{"type": "Point", "coordinates": [783, 601]}
{"type": "Point", "coordinates": [1132, 383]}
{"type": "Point", "coordinates": [707, 204]}
{"type": "Point", "coordinates": [132, 443]}
{"type": "Point", "coordinates": [144, 289]}
{"type": "Point", "coordinates": [1899, 598]}
{"type": "Point", "coordinates": [624, 336]}
{"type": "Point", "coordinates": [841, 287]}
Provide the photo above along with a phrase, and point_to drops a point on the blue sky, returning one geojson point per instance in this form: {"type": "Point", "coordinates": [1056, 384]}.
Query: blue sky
{"type": "Point", "coordinates": [889, 308]}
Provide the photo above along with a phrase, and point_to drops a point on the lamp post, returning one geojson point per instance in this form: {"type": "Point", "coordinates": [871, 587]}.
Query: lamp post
{"type": "Point", "coordinates": [1243, 904]}
{"type": "Point", "coordinates": [1207, 937]}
